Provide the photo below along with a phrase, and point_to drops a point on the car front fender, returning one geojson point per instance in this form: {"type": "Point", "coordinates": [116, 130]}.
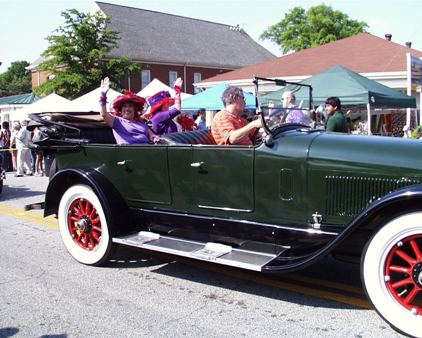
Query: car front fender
{"type": "Point", "coordinates": [115, 206]}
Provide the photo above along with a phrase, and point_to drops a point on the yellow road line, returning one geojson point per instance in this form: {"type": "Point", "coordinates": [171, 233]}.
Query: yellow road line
{"type": "Point", "coordinates": [49, 221]}
{"type": "Point", "coordinates": [313, 291]}
{"type": "Point", "coordinates": [332, 285]}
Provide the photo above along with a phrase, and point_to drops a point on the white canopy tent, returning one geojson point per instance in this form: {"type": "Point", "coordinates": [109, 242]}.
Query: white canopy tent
{"type": "Point", "coordinates": [156, 86]}
{"type": "Point", "coordinates": [49, 103]}
{"type": "Point", "coordinates": [89, 101]}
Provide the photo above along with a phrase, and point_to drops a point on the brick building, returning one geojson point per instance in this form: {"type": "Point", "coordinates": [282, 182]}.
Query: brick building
{"type": "Point", "coordinates": [170, 46]}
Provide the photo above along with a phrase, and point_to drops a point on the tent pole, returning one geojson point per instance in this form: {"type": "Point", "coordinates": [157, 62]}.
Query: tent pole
{"type": "Point", "coordinates": [368, 108]}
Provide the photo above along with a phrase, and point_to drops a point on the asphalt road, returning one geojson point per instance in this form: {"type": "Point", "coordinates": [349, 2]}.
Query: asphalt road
{"type": "Point", "coordinates": [45, 293]}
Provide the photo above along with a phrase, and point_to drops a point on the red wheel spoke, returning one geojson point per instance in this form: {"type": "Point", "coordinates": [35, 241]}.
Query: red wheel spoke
{"type": "Point", "coordinates": [416, 250]}
{"type": "Point", "coordinates": [96, 229]}
{"type": "Point", "coordinates": [92, 242]}
{"type": "Point", "coordinates": [96, 235]}
{"type": "Point", "coordinates": [96, 221]}
{"type": "Point", "coordinates": [87, 207]}
{"type": "Point", "coordinates": [405, 257]}
{"type": "Point", "coordinates": [93, 213]}
{"type": "Point", "coordinates": [401, 269]}
{"type": "Point", "coordinates": [411, 296]}
{"type": "Point", "coordinates": [402, 283]}
{"type": "Point", "coordinates": [74, 218]}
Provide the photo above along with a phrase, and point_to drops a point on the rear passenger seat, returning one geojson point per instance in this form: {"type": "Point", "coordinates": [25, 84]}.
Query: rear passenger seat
{"type": "Point", "coordinates": [188, 137]}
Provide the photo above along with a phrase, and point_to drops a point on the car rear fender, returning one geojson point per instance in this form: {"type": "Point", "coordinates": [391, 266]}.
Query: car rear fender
{"type": "Point", "coordinates": [114, 205]}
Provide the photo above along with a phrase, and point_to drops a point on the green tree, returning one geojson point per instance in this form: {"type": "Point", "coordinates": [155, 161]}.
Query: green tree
{"type": "Point", "coordinates": [16, 79]}
{"type": "Point", "coordinates": [77, 56]}
{"type": "Point", "coordinates": [319, 25]}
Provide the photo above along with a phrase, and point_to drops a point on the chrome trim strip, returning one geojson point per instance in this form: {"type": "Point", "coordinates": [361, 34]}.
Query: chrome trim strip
{"type": "Point", "coordinates": [223, 208]}
{"type": "Point", "coordinates": [309, 230]}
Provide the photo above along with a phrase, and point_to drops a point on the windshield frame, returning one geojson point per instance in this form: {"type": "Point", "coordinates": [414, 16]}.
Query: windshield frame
{"type": "Point", "coordinates": [271, 124]}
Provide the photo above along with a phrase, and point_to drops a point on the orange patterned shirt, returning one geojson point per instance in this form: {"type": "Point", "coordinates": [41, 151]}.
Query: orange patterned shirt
{"type": "Point", "coordinates": [223, 123]}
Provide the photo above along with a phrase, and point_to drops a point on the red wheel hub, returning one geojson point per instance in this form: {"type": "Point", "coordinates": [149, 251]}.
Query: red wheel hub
{"type": "Point", "coordinates": [84, 224]}
{"type": "Point", "coordinates": [403, 273]}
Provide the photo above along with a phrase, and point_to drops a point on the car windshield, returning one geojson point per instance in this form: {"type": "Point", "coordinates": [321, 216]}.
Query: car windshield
{"type": "Point", "coordinates": [277, 115]}
{"type": "Point", "coordinates": [291, 104]}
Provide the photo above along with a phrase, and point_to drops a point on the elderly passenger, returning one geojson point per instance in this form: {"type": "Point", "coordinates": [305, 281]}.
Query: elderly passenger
{"type": "Point", "coordinates": [228, 126]}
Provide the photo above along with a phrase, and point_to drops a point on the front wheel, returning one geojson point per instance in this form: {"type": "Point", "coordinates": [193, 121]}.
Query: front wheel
{"type": "Point", "coordinates": [83, 226]}
{"type": "Point", "coordinates": [392, 273]}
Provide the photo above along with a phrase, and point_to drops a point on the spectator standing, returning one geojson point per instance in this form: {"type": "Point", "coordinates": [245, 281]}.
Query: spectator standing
{"type": "Point", "coordinates": [336, 122]}
{"type": "Point", "coordinates": [200, 120]}
{"type": "Point", "coordinates": [36, 137]}
{"type": "Point", "coordinates": [5, 136]}
{"type": "Point", "coordinates": [22, 142]}
{"type": "Point", "coordinates": [16, 126]}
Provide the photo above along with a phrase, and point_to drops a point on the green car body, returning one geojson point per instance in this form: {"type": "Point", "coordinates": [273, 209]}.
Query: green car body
{"type": "Point", "coordinates": [283, 204]}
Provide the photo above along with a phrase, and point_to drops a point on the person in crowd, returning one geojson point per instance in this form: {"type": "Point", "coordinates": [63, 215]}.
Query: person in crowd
{"type": "Point", "coordinates": [161, 115]}
{"type": "Point", "coordinates": [293, 114]}
{"type": "Point", "coordinates": [336, 120]}
{"type": "Point", "coordinates": [228, 126]}
{"type": "Point", "coordinates": [22, 142]}
{"type": "Point", "coordinates": [200, 120]}
{"type": "Point", "coordinates": [37, 136]}
{"type": "Point", "coordinates": [407, 133]}
{"type": "Point", "coordinates": [5, 136]}
{"type": "Point", "coordinates": [16, 126]}
{"type": "Point", "coordinates": [128, 127]}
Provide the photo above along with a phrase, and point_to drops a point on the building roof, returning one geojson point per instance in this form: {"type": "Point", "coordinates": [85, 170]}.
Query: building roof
{"type": "Point", "coordinates": [150, 36]}
{"type": "Point", "coordinates": [19, 99]}
{"type": "Point", "coordinates": [361, 53]}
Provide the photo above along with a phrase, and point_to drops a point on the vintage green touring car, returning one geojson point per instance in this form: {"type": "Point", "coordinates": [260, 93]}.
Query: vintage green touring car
{"type": "Point", "coordinates": [296, 196]}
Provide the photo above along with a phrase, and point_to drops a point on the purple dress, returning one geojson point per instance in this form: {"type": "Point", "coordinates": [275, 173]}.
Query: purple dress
{"type": "Point", "coordinates": [129, 132]}
{"type": "Point", "coordinates": [162, 122]}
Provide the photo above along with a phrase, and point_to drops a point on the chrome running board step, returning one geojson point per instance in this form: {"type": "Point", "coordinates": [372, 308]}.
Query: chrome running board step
{"type": "Point", "coordinates": [211, 252]}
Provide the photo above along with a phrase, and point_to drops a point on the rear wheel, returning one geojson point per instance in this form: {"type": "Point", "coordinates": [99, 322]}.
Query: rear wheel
{"type": "Point", "coordinates": [83, 226]}
{"type": "Point", "coordinates": [392, 272]}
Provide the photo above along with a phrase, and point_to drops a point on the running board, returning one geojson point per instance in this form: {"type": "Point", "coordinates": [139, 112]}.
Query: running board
{"type": "Point", "coordinates": [212, 252]}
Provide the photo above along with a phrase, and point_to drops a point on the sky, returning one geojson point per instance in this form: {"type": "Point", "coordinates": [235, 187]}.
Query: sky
{"type": "Point", "coordinates": [24, 24]}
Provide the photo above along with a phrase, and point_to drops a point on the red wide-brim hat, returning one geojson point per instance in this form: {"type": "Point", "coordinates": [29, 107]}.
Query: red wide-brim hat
{"type": "Point", "coordinates": [128, 97]}
{"type": "Point", "coordinates": [157, 100]}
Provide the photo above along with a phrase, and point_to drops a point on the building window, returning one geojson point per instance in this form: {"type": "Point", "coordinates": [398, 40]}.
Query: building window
{"type": "Point", "coordinates": [197, 78]}
{"type": "Point", "coordinates": [172, 78]}
{"type": "Point", "coordinates": [145, 78]}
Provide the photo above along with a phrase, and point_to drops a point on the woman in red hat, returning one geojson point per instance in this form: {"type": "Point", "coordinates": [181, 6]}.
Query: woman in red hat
{"type": "Point", "coordinates": [127, 126]}
{"type": "Point", "coordinates": [162, 116]}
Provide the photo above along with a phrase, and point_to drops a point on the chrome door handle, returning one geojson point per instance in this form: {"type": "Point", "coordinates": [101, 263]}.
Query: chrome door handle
{"type": "Point", "coordinates": [196, 164]}
{"type": "Point", "coordinates": [124, 162]}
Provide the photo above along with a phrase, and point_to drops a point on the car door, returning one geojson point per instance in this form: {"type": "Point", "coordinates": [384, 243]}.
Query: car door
{"type": "Point", "coordinates": [223, 177]}
{"type": "Point", "coordinates": [139, 172]}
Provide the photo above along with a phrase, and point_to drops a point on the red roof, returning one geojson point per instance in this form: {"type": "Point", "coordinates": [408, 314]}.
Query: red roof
{"type": "Point", "coordinates": [362, 53]}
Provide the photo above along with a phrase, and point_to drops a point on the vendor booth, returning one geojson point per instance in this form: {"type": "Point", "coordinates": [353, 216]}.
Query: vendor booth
{"type": "Point", "coordinates": [352, 88]}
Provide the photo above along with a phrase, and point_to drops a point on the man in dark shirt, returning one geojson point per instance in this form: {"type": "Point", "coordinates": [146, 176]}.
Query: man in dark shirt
{"type": "Point", "coordinates": [336, 120]}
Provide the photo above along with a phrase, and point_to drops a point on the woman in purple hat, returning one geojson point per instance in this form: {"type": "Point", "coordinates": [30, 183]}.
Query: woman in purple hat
{"type": "Point", "coordinates": [160, 112]}
{"type": "Point", "coordinates": [127, 126]}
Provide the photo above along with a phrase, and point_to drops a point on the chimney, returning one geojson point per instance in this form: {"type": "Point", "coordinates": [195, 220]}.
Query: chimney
{"type": "Point", "coordinates": [388, 37]}
{"type": "Point", "coordinates": [409, 44]}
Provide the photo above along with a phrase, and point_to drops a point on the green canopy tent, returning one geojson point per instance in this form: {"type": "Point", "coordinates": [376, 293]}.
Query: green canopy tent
{"type": "Point", "coordinates": [352, 88]}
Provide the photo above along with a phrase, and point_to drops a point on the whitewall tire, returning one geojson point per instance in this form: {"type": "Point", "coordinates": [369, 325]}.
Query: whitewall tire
{"type": "Point", "coordinates": [83, 225]}
{"type": "Point", "coordinates": [392, 273]}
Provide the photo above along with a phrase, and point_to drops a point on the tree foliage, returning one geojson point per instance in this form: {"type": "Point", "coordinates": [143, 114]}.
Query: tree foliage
{"type": "Point", "coordinates": [77, 56]}
{"type": "Point", "coordinates": [16, 80]}
{"type": "Point", "coordinates": [302, 29]}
